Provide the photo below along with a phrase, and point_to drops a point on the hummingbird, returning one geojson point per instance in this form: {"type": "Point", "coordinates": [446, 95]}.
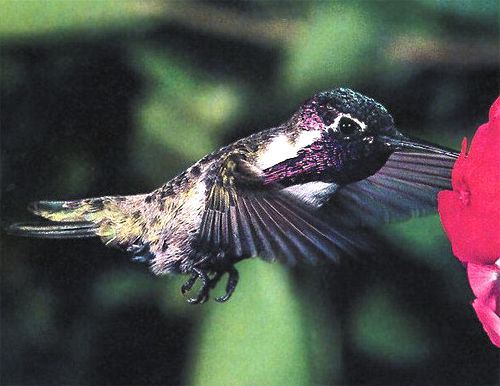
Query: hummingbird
{"type": "Point", "coordinates": [301, 191]}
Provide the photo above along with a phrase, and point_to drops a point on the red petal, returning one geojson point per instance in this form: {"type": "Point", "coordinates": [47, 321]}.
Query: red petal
{"type": "Point", "coordinates": [458, 168]}
{"type": "Point", "coordinates": [474, 238]}
{"type": "Point", "coordinates": [482, 168]}
{"type": "Point", "coordinates": [495, 110]}
{"type": "Point", "coordinates": [470, 214]}
{"type": "Point", "coordinates": [485, 282]}
{"type": "Point", "coordinates": [489, 319]}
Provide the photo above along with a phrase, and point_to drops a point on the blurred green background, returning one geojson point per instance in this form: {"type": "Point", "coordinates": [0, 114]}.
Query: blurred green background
{"type": "Point", "coordinates": [116, 97]}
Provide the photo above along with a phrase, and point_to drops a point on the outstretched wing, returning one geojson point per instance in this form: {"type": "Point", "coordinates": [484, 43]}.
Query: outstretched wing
{"type": "Point", "coordinates": [407, 185]}
{"type": "Point", "coordinates": [245, 218]}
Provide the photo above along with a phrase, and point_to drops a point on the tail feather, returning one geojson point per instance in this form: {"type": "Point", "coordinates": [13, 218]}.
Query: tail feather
{"type": "Point", "coordinates": [68, 211]}
{"type": "Point", "coordinates": [68, 219]}
{"type": "Point", "coordinates": [112, 218]}
{"type": "Point", "coordinates": [54, 231]}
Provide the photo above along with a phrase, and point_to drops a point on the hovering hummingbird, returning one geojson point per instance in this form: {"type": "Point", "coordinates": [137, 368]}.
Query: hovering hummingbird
{"type": "Point", "coordinates": [299, 191]}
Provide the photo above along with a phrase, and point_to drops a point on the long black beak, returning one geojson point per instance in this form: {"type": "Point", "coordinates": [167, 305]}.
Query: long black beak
{"type": "Point", "coordinates": [405, 143]}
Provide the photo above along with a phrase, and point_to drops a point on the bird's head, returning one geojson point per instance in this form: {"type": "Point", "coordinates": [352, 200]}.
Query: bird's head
{"type": "Point", "coordinates": [346, 115]}
{"type": "Point", "coordinates": [357, 128]}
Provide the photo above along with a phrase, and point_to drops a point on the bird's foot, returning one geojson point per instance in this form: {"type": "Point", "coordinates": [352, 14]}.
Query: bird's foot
{"type": "Point", "coordinates": [232, 281]}
{"type": "Point", "coordinates": [210, 283]}
{"type": "Point", "coordinates": [186, 287]}
{"type": "Point", "coordinates": [202, 295]}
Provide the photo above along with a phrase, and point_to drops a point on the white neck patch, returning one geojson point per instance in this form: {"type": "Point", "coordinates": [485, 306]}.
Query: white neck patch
{"type": "Point", "coordinates": [281, 148]}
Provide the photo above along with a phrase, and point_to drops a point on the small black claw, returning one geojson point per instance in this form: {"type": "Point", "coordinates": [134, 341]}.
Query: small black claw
{"type": "Point", "coordinates": [215, 279]}
{"type": "Point", "coordinates": [232, 281]}
{"type": "Point", "coordinates": [189, 283]}
{"type": "Point", "coordinates": [199, 299]}
{"type": "Point", "coordinates": [210, 283]}
{"type": "Point", "coordinates": [202, 295]}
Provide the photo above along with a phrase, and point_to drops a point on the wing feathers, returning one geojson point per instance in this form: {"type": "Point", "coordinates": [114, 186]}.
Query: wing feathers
{"type": "Point", "coordinates": [283, 243]}
{"type": "Point", "coordinates": [244, 219]}
{"type": "Point", "coordinates": [405, 186]}
{"type": "Point", "coordinates": [249, 247]}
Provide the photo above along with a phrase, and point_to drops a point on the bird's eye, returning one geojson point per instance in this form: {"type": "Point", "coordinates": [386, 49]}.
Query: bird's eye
{"type": "Point", "coordinates": [347, 126]}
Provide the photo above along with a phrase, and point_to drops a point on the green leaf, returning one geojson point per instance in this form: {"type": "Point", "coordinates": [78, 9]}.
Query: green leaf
{"type": "Point", "coordinates": [257, 338]}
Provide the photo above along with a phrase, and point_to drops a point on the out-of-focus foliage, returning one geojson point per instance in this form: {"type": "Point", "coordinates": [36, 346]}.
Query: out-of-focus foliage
{"type": "Point", "coordinates": [116, 97]}
{"type": "Point", "coordinates": [481, 10]}
{"type": "Point", "coordinates": [263, 334]}
{"type": "Point", "coordinates": [382, 331]}
{"type": "Point", "coordinates": [32, 18]}
{"type": "Point", "coordinates": [332, 45]}
{"type": "Point", "coordinates": [189, 125]}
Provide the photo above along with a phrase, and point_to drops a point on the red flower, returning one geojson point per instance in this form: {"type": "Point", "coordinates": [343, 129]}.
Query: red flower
{"type": "Point", "coordinates": [489, 319]}
{"type": "Point", "coordinates": [485, 283]}
{"type": "Point", "coordinates": [470, 215]}
{"type": "Point", "coordinates": [471, 212]}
